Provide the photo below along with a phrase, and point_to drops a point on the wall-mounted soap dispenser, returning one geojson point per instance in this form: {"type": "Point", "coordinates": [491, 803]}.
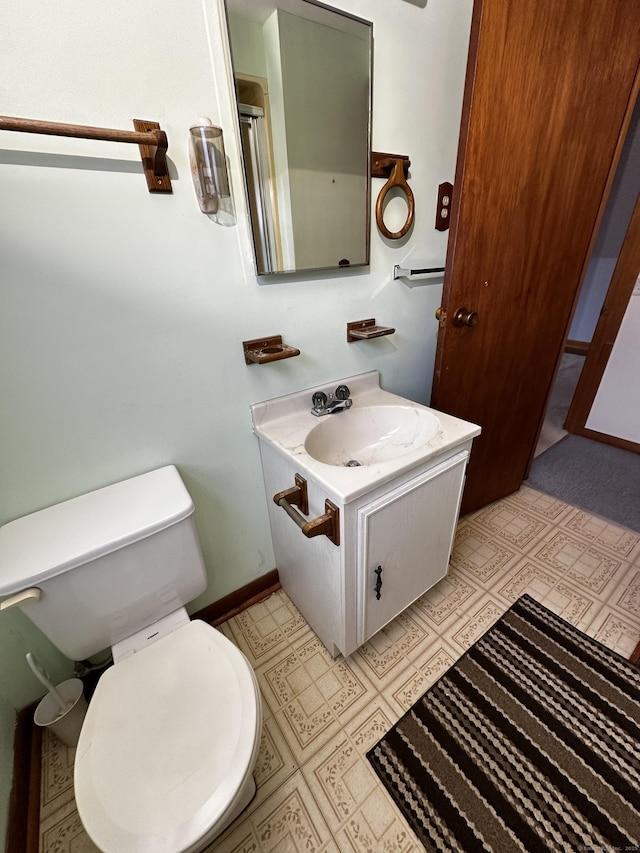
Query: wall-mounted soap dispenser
{"type": "Point", "coordinates": [209, 171]}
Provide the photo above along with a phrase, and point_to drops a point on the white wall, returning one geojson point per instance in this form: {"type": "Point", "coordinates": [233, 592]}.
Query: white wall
{"type": "Point", "coordinates": [616, 408]}
{"type": "Point", "coordinates": [248, 46]}
{"type": "Point", "coordinates": [122, 313]}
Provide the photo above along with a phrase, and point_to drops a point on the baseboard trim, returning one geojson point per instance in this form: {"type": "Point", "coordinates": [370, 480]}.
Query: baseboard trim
{"type": "Point", "coordinates": [23, 827]}
{"type": "Point", "coordinates": [239, 600]}
{"type": "Point", "coordinates": [612, 440]}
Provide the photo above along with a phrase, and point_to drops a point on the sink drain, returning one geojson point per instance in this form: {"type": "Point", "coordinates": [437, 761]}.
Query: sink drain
{"type": "Point", "coordinates": [352, 463]}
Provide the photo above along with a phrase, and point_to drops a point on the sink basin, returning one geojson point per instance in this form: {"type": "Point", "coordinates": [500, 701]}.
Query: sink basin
{"type": "Point", "coordinates": [349, 454]}
{"type": "Point", "coordinates": [371, 434]}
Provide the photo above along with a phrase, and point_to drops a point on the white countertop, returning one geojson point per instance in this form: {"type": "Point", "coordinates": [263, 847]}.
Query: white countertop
{"type": "Point", "coordinates": [285, 423]}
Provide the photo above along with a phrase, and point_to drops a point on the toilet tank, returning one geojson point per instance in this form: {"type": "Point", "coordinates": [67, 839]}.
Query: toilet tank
{"type": "Point", "coordinates": [108, 563]}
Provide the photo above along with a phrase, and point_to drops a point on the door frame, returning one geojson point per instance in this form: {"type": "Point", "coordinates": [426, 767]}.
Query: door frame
{"type": "Point", "coordinates": [611, 316]}
{"type": "Point", "coordinates": [591, 375]}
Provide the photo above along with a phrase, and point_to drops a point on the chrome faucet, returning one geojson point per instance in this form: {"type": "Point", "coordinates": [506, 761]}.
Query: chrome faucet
{"type": "Point", "coordinates": [324, 404]}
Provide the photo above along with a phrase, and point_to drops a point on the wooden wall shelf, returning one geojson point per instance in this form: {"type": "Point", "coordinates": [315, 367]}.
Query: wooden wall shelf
{"type": "Point", "coordinates": [265, 350]}
{"type": "Point", "coordinates": [364, 330]}
{"type": "Point", "coordinates": [150, 138]}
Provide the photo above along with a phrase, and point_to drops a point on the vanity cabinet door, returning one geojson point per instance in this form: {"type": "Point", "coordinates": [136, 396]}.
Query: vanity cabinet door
{"type": "Point", "coordinates": [404, 542]}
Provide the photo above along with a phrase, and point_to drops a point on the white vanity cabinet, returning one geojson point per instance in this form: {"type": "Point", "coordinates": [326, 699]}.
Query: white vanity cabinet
{"type": "Point", "coordinates": [392, 470]}
{"type": "Point", "coordinates": [405, 527]}
{"type": "Point", "coordinates": [404, 540]}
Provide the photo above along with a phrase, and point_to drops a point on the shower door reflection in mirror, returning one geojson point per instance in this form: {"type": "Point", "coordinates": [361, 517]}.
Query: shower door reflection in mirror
{"type": "Point", "coordinates": [303, 82]}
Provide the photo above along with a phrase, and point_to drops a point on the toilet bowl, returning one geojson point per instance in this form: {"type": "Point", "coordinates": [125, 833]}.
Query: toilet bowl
{"type": "Point", "coordinates": [170, 739]}
{"type": "Point", "coordinates": [168, 745]}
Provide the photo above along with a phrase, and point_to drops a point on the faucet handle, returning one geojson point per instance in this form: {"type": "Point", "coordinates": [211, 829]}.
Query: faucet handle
{"type": "Point", "coordinates": [342, 392]}
{"type": "Point", "coordinates": [319, 400]}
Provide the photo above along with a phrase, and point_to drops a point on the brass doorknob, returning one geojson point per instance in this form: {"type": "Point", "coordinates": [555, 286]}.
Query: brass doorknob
{"type": "Point", "coordinates": [464, 317]}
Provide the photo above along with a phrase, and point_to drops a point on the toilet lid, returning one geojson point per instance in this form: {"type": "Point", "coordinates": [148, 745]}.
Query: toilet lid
{"type": "Point", "coordinates": [167, 742]}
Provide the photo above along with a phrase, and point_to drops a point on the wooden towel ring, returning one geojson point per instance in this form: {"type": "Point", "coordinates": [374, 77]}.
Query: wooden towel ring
{"type": "Point", "coordinates": [394, 167]}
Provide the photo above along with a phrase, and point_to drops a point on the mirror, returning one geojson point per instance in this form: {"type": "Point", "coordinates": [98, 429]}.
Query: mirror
{"type": "Point", "coordinates": [303, 83]}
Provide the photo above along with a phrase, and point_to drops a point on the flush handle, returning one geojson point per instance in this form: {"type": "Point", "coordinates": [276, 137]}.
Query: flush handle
{"type": "Point", "coordinates": [464, 317]}
{"type": "Point", "coordinates": [32, 594]}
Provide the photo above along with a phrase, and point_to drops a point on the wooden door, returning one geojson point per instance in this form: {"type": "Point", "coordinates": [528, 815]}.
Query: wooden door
{"type": "Point", "coordinates": [548, 93]}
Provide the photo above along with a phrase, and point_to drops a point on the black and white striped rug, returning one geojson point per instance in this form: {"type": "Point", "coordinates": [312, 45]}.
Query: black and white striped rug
{"type": "Point", "coordinates": [530, 742]}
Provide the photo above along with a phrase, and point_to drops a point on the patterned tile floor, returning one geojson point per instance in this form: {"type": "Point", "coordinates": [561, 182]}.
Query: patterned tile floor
{"type": "Point", "coordinates": [316, 791]}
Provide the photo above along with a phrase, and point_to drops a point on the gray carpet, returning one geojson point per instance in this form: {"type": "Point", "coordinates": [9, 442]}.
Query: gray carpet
{"type": "Point", "coordinates": [529, 743]}
{"type": "Point", "coordinates": [593, 476]}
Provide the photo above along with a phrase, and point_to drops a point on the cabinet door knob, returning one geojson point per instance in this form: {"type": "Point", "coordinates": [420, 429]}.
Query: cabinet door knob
{"type": "Point", "coordinates": [378, 585]}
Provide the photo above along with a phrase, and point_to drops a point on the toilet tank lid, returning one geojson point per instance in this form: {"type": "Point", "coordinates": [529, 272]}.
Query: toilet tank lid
{"type": "Point", "coordinates": [51, 541]}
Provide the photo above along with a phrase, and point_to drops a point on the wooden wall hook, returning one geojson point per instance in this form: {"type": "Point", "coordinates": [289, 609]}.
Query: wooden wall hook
{"type": "Point", "coordinates": [395, 168]}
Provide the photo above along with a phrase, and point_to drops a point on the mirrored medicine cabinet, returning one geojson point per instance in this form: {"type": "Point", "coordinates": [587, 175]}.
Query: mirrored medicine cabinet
{"type": "Point", "coordinates": [302, 75]}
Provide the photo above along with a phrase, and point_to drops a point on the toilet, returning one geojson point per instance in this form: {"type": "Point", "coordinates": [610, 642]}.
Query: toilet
{"type": "Point", "coordinates": [166, 753]}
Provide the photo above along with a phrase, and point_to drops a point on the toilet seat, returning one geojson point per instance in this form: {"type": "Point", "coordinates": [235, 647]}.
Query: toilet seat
{"type": "Point", "coordinates": [168, 741]}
